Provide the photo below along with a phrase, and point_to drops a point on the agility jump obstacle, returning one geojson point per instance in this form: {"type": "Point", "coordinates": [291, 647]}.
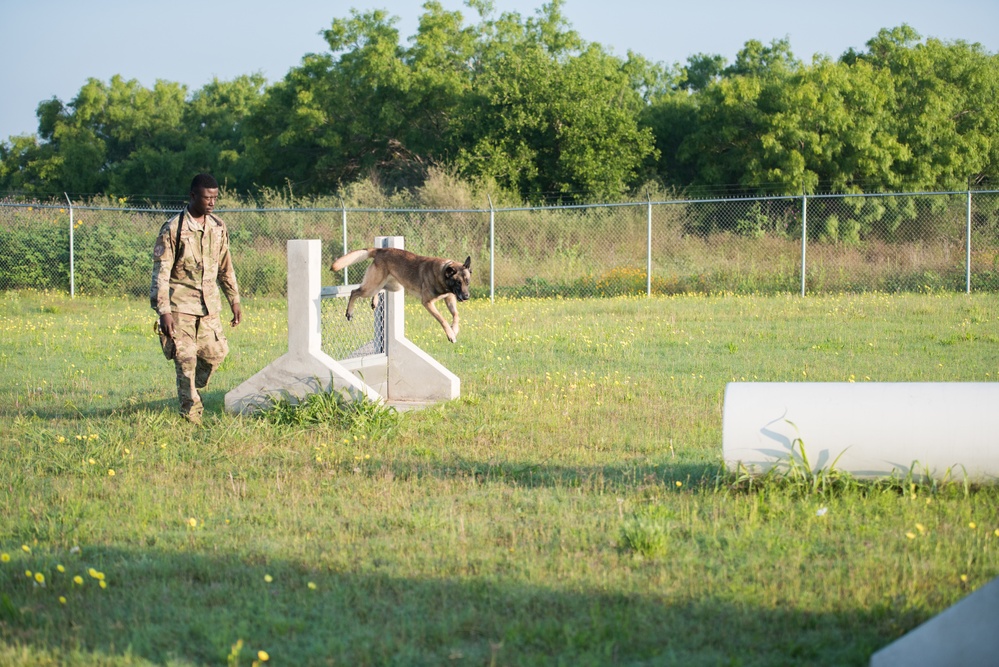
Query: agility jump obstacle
{"type": "Point", "coordinates": [385, 366]}
{"type": "Point", "coordinates": [935, 430]}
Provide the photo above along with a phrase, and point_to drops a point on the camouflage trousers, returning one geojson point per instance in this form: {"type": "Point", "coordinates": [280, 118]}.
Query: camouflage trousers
{"type": "Point", "coordinates": [200, 348]}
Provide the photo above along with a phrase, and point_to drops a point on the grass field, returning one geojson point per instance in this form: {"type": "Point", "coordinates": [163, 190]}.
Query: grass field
{"type": "Point", "coordinates": [568, 509]}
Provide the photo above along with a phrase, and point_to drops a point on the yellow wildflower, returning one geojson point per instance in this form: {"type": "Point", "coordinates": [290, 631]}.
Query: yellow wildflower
{"type": "Point", "coordinates": [25, 548]}
{"type": "Point", "coordinates": [263, 656]}
{"type": "Point", "coordinates": [5, 557]}
{"type": "Point", "coordinates": [268, 578]}
{"type": "Point", "coordinates": [60, 568]}
{"type": "Point", "coordinates": [312, 585]}
{"type": "Point", "coordinates": [39, 577]}
{"type": "Point", "coordinates": [78, 580]}
{"type": "Point", "coordinates": [62, 600]}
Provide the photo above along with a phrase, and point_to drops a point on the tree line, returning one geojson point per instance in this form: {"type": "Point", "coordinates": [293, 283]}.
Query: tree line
{"type": "Point", "coordinates": [527, 106]}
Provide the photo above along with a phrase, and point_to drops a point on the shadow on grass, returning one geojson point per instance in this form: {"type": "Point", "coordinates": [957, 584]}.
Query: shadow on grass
{"type": "Point", "coordinates": [214, 402]}
{"type": "Point", "coordinates": [540, 475]}
{"type": "Point", "coordinates": [192, 608]}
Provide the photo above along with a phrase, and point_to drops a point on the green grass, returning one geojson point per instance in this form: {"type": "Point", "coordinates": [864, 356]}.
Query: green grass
{"type": "Point", "coordinates": [569, 509]}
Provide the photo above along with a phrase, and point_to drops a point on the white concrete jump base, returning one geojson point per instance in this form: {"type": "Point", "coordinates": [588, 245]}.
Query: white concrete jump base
{"type": "Point", "coordinates": [963, 635]}
{"type": "Point", "coordinates": [404, 376]}
{"type": "Point", "coordinates": [934, 430]}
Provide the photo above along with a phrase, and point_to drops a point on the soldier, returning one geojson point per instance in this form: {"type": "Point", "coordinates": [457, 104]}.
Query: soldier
{"type": "Point", "coordinates": [190, 261]}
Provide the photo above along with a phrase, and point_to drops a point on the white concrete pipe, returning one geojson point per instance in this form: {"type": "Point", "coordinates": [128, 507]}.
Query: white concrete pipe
{"type": "Point", "coordinates": [942, 430]}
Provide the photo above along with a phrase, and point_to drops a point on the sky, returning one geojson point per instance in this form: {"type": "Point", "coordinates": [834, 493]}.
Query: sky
{"type": "Point", "coordinates": [51, 47]}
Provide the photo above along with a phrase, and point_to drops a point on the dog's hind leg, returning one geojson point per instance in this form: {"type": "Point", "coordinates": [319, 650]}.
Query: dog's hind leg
{"type": "Point", "coordinates": [350, 303]}
{"type": "Point", "coordinates": [370, 285]}
{"type": "Point", "coordinates": [360, 292]}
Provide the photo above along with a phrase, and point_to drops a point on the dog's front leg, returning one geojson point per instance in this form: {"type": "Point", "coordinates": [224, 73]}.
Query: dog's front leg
{"type": "Point", "coordinates": [452, 305]}
{"type": "Point", "coordinates": [432, 309]}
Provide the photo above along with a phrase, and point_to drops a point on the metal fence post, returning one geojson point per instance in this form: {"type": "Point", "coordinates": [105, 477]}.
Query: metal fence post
{"type": "Point", "coordinates": [72, 275]}
{"type": "Point", "coordinates": [804, 238]}
{"type": "Point", "coordinates": [492, 251]}
{"type": "Point", "coordinates": [968, 234]}
{"type": "Point", "coordinates": [343, 218]}
{"type": "Point", "coordinates": [648, 250]}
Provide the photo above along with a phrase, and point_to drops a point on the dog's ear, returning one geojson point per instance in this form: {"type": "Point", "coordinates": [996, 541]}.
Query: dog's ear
{"type": "Point", "coordinates": [449, 271]}
{"type": "Point", "coordinates": [468, 262]}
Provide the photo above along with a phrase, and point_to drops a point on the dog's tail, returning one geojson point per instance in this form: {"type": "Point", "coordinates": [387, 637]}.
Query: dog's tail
{"type": "Point", "coordinates": [352, 257]}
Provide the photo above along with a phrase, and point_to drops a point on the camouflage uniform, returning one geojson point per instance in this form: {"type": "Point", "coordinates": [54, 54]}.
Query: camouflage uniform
{"type": "Point", "coordinates": [186, 280]}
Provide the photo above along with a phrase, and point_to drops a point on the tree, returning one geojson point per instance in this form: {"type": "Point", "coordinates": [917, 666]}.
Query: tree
{"type": "Point", "coordinates": [216, 120]}
{"type": "Point", "coordinates": [945, 110]}
{"type": "Point", "coordinates": [758, 60]}
{"type": "Point", "coordinates": [701, 70]}
{"type": "Point", "coordinates": [554, 117]}
{"type": "Point", "coordinates": [122, 137]}
{"type": "Point", "coordinates": [525, 102]}
{"type": "Point", "coordinates": [360, 108]}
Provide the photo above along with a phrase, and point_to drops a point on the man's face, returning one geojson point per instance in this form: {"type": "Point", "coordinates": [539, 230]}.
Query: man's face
{"type": "Point", "coordinates": [203, 201]}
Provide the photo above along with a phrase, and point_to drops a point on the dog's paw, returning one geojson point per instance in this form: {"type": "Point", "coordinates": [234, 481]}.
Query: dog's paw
{"type": "Point", "coordinates": [350, 316]}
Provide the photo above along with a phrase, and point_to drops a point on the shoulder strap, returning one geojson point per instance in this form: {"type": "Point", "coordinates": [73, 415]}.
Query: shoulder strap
{"type": "Point", "coordinates": [180, 225]}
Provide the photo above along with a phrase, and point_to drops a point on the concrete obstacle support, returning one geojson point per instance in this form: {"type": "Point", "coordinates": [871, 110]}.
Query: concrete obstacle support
{"type": "Point", "coordinates": [402, 375]}
{"type": "Point", "coordinates": [963, 635]}
{"type": "Point", "coordinates": [938, 430]}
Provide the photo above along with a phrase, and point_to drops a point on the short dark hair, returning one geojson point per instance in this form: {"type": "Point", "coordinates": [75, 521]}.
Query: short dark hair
{"type": "Point", "coordinates": [206, 181]}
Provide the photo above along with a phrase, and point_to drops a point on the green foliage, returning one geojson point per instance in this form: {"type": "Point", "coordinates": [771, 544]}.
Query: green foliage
{"type": "Point", "coordinates": [34, 257]}
{"type": "Point", "coordinates": [645, 536]}
{"type": "Point", "coordinates": [754, 224]}
{"type": "Point", "coordinates": [262, 273]}
{"type": "Point", "coordinates": [111, 259]}
{"type": "Point", "coordinates": [350, 413]}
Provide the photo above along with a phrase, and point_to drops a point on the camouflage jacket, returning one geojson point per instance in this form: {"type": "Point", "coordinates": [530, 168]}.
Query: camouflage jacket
{"type": "Point", "coordinates": [187, 276]}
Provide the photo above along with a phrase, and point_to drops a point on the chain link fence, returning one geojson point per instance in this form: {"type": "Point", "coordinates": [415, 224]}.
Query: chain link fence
{"type": "Point", "coordinates": [946, 241]}
{"type": "Point", "coordinates": [362, 335]}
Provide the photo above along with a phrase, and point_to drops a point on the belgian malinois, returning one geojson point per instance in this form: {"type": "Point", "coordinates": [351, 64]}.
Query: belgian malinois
{"type": "Point", "coordinates": [433, 278]}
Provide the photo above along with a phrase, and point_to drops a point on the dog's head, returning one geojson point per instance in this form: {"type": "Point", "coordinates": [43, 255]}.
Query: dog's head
{"type": "Point", "coordinates": [457, 277]}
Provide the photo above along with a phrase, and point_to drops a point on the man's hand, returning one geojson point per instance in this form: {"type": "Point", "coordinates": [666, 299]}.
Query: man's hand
{"type": "Point", "coordinates": [166, 324]}
{"type": "Point", "coordinates": [237, 315]}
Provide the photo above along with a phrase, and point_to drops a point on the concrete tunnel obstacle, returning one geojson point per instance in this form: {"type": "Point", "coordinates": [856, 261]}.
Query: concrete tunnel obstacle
{"type": "Point", "coordinates": [937, 430]}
